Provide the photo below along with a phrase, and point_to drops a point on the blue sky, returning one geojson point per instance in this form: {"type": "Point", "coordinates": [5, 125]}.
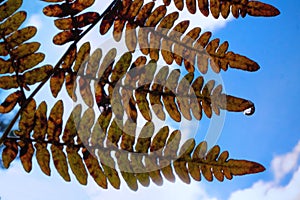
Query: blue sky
{"type": "Point", "coordinates": [270, 136]}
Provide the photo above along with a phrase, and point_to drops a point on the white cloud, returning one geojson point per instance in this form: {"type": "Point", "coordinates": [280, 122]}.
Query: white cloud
{"type": "Point", "coordinates": [178, 190]}
{"type": "Point", "coordinates": [35, 20]}
{"type": "Point", "coordinates": [272, 190]}
{"type": "Point", "coordinates": [17, 184]}
{"type": "Point", "coordinates": [282, 165]}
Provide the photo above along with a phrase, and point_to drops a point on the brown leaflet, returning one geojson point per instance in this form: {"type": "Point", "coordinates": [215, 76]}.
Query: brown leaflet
{"type": "Point", "coordinates": [66, 36]}
{"type": "Point", "coordinates": [157, 88]}
{"type": "Point", "coordinates": [12, 23]}
{"type": "Point", "coordinates": [8, 8]}
{"type": "Point", "coordinates": [182, 95]}
{"type": "Point", "coordinates": [9, 153]}
{"type": "Point", "coordinates": [169, 95]}
{"type": "Point", "coordinates": [71, 127]}
{"type": "Point", "coordinates": [180, 164]}
{"type": "Point", "coordinates": [25, 49]}
{"type": "Point", "coordinates": [55, 122]}
{"type": "Point", "coordinates": [76, 165]}
{"type": "Point", "coordinates": [10, 102]}
{"type": "Point", "coordinates": [36, 75]}
{"type": "Point", "coordinates": [20, 36]}
{"type": "Point", "coordinates": [26, 122]}
{"type": "Point", "coordinates": [94, 168]}
{"type": "Point", "coordinates": [26, 154]}
{"type": "Point", "coordinates": [60, 162]}
{"type": "Point", "coordinates": [30, 61]}
{"type": "Point", "coordinates": [43, 157]}
{"type": "Point", "coordinates": [40, 126]}
{"type": "Point", "coordinates": [56, 82]}
{"type": "Point", "coordinates": [6, 66]}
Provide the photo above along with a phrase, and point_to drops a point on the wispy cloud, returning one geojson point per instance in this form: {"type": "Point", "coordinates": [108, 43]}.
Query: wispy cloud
{"type": "Point", "coordinates": [284, 164]}
{"type": "Point", "coordinates": [273, 190]}
{"type": "Point", "coordinates": [35, 20]}
{"type": "Point", "coordinates": [178, 190]}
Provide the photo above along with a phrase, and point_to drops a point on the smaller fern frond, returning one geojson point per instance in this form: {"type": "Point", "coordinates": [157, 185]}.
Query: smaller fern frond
{"type": "Point", "coordinates": [155, 32]}
{"type": "Point", "coordinates": [224, 7]}
{"type": "Point", "coordinates": [19, 57]}
{"type": "Point", "coordinates": [107, 149]}
{"type": "Point", "coordinates": [137, 85]}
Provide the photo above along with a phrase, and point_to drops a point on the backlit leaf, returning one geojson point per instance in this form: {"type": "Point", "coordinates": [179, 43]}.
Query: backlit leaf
{"type": "Point", "coordinates": [12, 23]}
{"type": "Point", "coordinates": [121, 67]}
{"type": "Point", "coordinates": [242, 167]}
{"type": "Point", "coordinates": [56, 82]}
{"type": "Point", "coordinates": [10, 102]}
{"type": "Point", "coordinates": [21, 36]}
{"type": "Point", "coordinates": [43, 157]}
{"type": "Point", "coordinates": [156, 16]}
{"type": "Point", "coordinates": [76, 165]}
{"type": "Point", "coordinates": [144, 139]}
{"type": "Point", "coordinates": [72, 124]}
{"type": "Point", "coordinates": [86, 92]}
{"type": "Point", "coordinates": [169, 100]}
{"type": "Point", "coordinates": [144, 13]}
{"type": "Point", "coordinates": [65, 9]}
{"type": "Point", "coordinates": [55, 122]}
{"type": "Point", "coordinates": [256, 8]}
{"type": "Point", "coordinates": [26, 122]}
{"type": "Point", "coordinates": [108, 165]}
{"type": "Point", "coordinates": [66, 36]}
{"type": "Point", "coordinates": [37, 75]}
{"type": "Point", "coordinates": [76, 22]}
{"type": "Point", "coordinates": [40, 127]}
{"type": "Point", "coordinates": [9, 153]}
{"type": "Point", "coordinates": [179, 4]}
{"type": "Point", "coordinates": [70, 58]}
{"type": "Point", "coordinates": [158, 85]}
{"type": "Point", "coordinates": [93, 63]}
{"type": "Point", "coordinates": [241, 62]}
{"type": "Point", "coordinates": [9, 7]}
{"type": "Point", "coordinates": [60, 162]}
{"type": "Point", "coordinates": [85, 125]}
{"type": "Point", "coordinates": [182, 92]}
{"type": "Point", "coordinates": [94, 168]}
{"type": "Point", "coordinates": [82, 56]}
{"type": "Point", "coordinates": [128, 135]}
{"type": "Point", "coordinates": [30, 61]}
{"type": "Point", "coordinates": [26, 154]}
{"type": "Point", "coordinates": [3, 49]}
{"type": "Point", "coordinates": [125, 168]}
{"type": "Point", "coordinates": [6, 66]}
{"type": "Point", "coordinates": [114, 133]}
{"type": "Point", "coordinates": [25, 49]}
{"type": "Point", "coordinates": [8, 82]}
{"type": "Point", "coordinates": [160, 139]}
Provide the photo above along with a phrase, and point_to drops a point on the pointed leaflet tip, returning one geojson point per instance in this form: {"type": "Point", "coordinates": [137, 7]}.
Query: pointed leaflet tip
{"type": "Point", "coordinates": [255, 8]}
{"type": "Point", "coordinates": [242, 167]}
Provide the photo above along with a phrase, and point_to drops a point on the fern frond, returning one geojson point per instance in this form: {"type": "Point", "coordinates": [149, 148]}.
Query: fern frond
{"type": "Point", "coordinates": [154, 32]}
{"type": "Point", "coordinates": [96, 141]}
{"type": "Point", "coordinates": [140, 85]}
{"type": "Point", "coordinates": [223, 7]}
{"type": "Point", "coordinates": [18, 65]}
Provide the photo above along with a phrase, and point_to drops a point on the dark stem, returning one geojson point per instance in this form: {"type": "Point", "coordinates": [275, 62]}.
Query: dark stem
{"type": "Point", "coordinates": [8, 129]}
